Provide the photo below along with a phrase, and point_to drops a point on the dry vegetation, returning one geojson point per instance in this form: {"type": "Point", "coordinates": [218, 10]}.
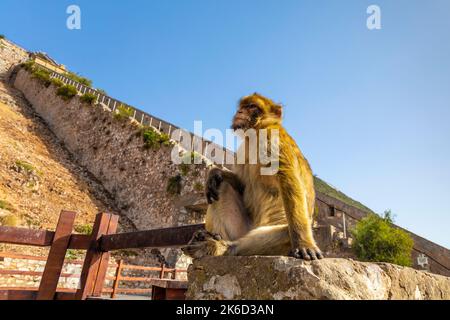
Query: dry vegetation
{"type": "Point", "coordinates": [37, 175]}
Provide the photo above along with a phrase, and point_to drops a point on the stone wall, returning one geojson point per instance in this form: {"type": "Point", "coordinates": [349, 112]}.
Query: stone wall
{"type": "Point", "coordinates": [283, 278]}
{"type": "Point", "coordinates": [113, 151]}
{"type": "Point", "coordinates": [10, 56]}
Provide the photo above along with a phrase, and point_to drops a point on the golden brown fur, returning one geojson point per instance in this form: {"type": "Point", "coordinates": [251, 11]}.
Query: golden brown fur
{"type": "Point", "coordinates": [254, 214]}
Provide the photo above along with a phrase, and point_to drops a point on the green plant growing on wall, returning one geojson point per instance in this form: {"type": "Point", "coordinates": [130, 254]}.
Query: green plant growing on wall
{"type": "Point", "coordinates": [198, 186]}
{"type": "Point", "coordinates": [78, 78]}
{"type": "Point", "coordinates": [42, 75]}
{"type": "Point", "coordinates": [83, 229]}
{"type": "Point", "coordinates": [377, 240]}
{"type": "Point", "coordinates": [103, 92]}
{"type": "Point", "coordinates": [56, 82]}
{"type": "Point", "coordinates": [154, 139]}
{"type": "Point", "coordinates": [184, 169]}
{"type": "Point", "coordinates": [174, 185]}
{"type": "Point", "coordinates": [67, 92]}
{"type": "Point", "coordinates": [28, 65]}
{"type": "Point", "coordinates": [2, 36]}
{"type": "Point", "coordinates": [123, 112]}
{"type": "Point", "coordinates": [192, 158]}
{"type": "Point", "coordinates": [88, 98]}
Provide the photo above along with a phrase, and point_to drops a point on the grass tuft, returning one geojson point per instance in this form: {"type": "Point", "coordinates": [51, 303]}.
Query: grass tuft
{"type": "Point", "coordinates": [88, 98]}
{"type": "Point", "coordinates": [123, 112]}
{"type": "Point", "coordinates": [67, 92]}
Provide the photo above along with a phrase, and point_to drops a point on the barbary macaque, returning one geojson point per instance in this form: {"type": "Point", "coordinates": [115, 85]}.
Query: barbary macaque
{"type": "Point", "coordinates": [254, 214]}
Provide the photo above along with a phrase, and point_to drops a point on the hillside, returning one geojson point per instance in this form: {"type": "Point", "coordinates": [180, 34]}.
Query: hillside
{"type": "Point", "coordinates": [325, 188]}
{"type": "Point", "coordinates": [37, 175]}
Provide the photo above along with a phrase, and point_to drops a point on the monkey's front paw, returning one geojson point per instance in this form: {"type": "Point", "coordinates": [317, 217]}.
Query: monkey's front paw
{"type": "Point", "coordinates": [203, 244]}
{"type": "Point", "coordinates": [213, 183]}
{"type": "Point", "coordinates": [307, 253]}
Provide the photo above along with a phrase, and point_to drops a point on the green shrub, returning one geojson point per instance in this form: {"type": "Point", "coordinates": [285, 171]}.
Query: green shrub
{"type": "Point", "coordinates": [29, 65]}
{"type": "Point", "coordinates": [56, 82]}
{"type": "Point", "coordinates": [377, 240]}
{"type": "Point", "coordinates": [184, 168]}
{"type": "Point", "coordinates": [5, 205]}
{"type": "Point", "coordinates": [42, 75]}
{"type": "Point", "coordinates": [84, 229]}
{"type": "Point", "coordinates": [153, 139]}
{"type": "Point", "coordinates": [103, 92]}
{"type": "Point", "coordinates": [123, 112]}
{"type": "Point", "coordinates": [9, 220]}
{"type": "Point", "coordinates": [191, 158]}
{"type": "Point", "coordinates": [174, 185]}
{"type": "Point", "coordinates": [25, 166]}
{"type": "Point", "coordinates": [88, 98]}
{"type": "Point", "coordinates": [67, 92]}
{"type": "Point", "coordinates": [78, 78]}
{"type": "Point", "coordinates": [2, 36]}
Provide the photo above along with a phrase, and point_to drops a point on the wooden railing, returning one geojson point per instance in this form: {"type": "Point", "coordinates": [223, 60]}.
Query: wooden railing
{"type": "Point", "coordinates": [98, 244]}
{"type": "Point", "coordinates": [120, 267]}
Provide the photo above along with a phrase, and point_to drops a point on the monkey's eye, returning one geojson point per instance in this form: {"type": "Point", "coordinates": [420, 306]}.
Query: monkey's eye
{"type": "Point", "coordinates": [252, 107]}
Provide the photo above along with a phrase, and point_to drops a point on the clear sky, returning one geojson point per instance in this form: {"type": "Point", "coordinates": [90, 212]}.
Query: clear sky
{"type": "Point", "coordinates": [369, 108]}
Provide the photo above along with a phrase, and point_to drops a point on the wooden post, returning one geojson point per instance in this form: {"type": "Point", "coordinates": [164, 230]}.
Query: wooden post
{"type": "Point", "coordinates": [104, 261]}
{"type": "Point", "coordinates": [117, 279]}
{"type": "Point", "coordinates": [174, 274]}
{"type": "Point", "coordinates": [93, 257]}
{"type": "Point", "coordinates": [55, 260]}
{"type": "Point", "coordinates": [161, 275]}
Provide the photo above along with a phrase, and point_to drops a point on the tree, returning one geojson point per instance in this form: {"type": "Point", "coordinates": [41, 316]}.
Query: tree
{"type": "Point", "coordinates": [377, 240]}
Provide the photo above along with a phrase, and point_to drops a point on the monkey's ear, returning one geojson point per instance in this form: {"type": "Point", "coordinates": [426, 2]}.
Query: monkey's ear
{"type": "Point", "coordinates": [277, 110]}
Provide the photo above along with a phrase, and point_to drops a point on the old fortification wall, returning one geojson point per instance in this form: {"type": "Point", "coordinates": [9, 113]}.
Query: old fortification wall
{"type": "Point", "coordinates": [11, 55]}
{"type": "Point", "coordinates": [113, 151]}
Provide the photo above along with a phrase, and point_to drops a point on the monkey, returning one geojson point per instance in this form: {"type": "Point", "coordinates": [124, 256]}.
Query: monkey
{"type": "Point", "coordinates": [253, 214]}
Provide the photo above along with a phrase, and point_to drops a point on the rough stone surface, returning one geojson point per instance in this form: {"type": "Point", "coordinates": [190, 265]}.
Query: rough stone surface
{"type": "Point", "coordinates": [113, 152]}
{"type": "Point", "coordinates": [258, 277]}
{"type": "Point", "coordinates": [10, 55]}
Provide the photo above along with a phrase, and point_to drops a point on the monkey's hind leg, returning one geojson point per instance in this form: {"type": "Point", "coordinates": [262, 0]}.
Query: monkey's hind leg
{"type": "Point", "coordinates": [227, 216]}
{"type": "Point", "coordinates": [226, 220]}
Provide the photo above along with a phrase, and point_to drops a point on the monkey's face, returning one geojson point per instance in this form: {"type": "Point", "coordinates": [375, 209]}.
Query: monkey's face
{"type": "Point", "coordinates": [256, 112]}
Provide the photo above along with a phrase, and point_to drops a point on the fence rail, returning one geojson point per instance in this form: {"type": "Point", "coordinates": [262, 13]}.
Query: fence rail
{"type": "Point", "coordinates": [120, 267]}
{"type": "Point", "coordinates": [96, 262]}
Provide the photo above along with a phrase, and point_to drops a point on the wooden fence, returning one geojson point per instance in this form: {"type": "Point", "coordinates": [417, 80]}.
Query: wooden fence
{"type": "Point", "coordinates": [120, 268]}
{"type": "Point", "coordinates": [98, 244]}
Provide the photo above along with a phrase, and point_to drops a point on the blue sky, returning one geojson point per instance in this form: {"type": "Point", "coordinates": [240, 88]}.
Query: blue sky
{"type": "Point", "coordinates": [370, 109]}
